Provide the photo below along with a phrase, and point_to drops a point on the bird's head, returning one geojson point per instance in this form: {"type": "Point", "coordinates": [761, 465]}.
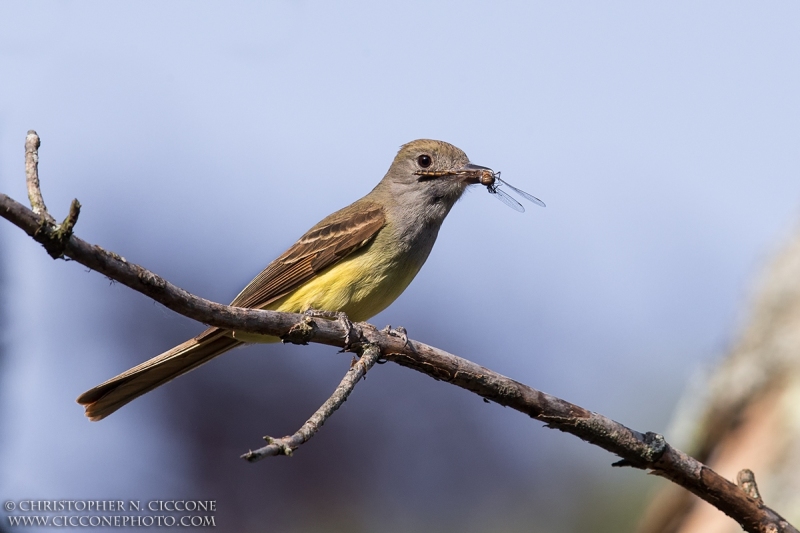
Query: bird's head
{"type": "Point", "coordinates": [433, 171]}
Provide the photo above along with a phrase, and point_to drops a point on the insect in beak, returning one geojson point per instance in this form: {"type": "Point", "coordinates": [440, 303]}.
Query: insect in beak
{"type": "Point", "coordinates": [476, 174]}
{"type": "Point", "coordinates": [491, 180]}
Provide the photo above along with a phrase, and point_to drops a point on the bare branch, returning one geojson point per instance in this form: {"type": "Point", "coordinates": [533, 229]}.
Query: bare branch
{"type": "Point", "coordinates": [647, 451]}
{"type": "Point", "coordinates": [286, 445]}
{"type": "Point", "coordinates": [65, 228]}
{"type": "Point", "coordinates": [59, 234]}
{"type": "Point", "coordinates": [32, 144]}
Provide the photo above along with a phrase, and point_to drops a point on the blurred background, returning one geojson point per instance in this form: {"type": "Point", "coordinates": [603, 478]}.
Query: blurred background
{"type": "Point", "coordinates": [203, 138]}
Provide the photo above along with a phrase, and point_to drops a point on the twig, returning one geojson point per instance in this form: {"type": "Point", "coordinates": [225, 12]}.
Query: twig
{"type": "Point", "coordinates": [57, 235]}
{"type": "Point", "coordinates": [646, 451]}
{"type": "Point", "coordinates": [287, 445]}
{"type": "Point", "coordinates": [63, 231]}
{"type": "Point", "coordinates": [32, 144]}
{"type": "Point", "coordinates": [746, 480]}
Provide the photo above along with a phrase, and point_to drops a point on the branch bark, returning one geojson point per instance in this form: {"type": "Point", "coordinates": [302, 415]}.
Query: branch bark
{"type": "Point", "coordinates": [647, 451]}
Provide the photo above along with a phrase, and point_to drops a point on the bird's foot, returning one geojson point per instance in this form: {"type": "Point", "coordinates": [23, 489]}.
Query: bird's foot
{"type": "Point", "coordinates": [399, 332]}
{"type": "Point", "coordinates": [319, 313]}
{"type": "Point", "coordinates": [350, 329]}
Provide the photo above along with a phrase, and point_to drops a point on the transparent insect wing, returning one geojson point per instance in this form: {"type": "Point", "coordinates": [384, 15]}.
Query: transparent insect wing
{"type": "Point", "coordinates": [527, 196]}
{"type": "Point", "coordinates": [506, 199]}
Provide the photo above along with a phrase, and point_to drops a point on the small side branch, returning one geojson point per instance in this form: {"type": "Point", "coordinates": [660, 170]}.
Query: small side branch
{"type": "Point", "coordinates": [32, 144]}
{"type": "Point", "coordinates": [746, 480]}
{"type": "Point", "coordinates": [287, 445]}
{"type": "Point", "coordinates": [54, 237]}
{"type": "Point", "coordinates": [63, 231]}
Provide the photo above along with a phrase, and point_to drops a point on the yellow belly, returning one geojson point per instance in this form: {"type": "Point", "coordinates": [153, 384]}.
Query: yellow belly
{"type": "Point", "coordinates": [361, 286]}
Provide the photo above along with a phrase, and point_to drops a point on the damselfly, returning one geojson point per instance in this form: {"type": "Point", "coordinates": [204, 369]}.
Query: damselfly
{"type": "Point", "coordinates": [493, 183]}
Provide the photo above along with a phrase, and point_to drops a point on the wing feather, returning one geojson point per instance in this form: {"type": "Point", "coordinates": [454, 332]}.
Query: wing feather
{"type": "Point", "coordinates": [333, 239]}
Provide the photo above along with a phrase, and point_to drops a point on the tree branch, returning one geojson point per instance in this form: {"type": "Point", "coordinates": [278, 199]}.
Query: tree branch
{"type": "Point", "coordinates": [647, 451]}
{"type": "Point", "coordinates": [59, 234]}
{"type": "Point", "coordinates": [32, 144]}
{"type": "Point", "coordinates": [286, 445]}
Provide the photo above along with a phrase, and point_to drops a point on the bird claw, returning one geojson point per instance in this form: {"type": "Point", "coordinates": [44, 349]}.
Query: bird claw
{"type": "Point", "coordinates": [399, 332]}
{"type": "Point", "coordinates": [349, 327]}
{"type": "Point", "coordinates": [319, 313]}
{"type": "Point", "coordinates": [345, 322]}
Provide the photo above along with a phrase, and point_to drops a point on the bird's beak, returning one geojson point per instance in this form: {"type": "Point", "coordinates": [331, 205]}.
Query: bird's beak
{"type": "Point", "coordinates": [469, 174]}
{"type": "Point", "coordinates": [473, 174]}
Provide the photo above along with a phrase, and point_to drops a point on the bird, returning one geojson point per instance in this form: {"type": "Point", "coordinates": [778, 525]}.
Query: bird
{"type": "Point", "coordinates": [356, 261]}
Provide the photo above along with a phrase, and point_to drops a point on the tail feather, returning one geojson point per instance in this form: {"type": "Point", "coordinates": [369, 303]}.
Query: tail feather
{"type": "Point", "coordinates": [109, 396]}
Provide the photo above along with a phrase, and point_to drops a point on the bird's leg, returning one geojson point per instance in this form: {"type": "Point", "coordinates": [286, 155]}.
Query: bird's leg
{"type": "Point", "coordinates": [348, 327]}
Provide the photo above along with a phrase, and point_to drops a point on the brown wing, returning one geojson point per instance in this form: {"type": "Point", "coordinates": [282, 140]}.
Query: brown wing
{"type": "Point", "coordinates": [334, 238]}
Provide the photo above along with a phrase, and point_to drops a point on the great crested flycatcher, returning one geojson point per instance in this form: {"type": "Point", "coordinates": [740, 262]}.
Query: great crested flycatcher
{"type": "Point", "coordinates": [357, 260]}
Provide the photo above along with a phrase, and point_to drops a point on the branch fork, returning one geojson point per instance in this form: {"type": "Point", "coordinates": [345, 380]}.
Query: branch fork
{"type": "Point", "coordinates": [52, 236]}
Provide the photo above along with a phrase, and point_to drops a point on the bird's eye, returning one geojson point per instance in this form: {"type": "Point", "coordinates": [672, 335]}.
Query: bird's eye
{"type": "Point", "coordinates": [424, 161]}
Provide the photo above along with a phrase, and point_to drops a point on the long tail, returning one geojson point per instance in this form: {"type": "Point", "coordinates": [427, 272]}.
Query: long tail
{"type": "Point", "coordinates": [107, 397]}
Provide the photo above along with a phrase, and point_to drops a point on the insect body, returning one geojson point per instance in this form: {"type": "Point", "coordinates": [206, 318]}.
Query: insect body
{"type": "Point", "coordinates": [492, 182]}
